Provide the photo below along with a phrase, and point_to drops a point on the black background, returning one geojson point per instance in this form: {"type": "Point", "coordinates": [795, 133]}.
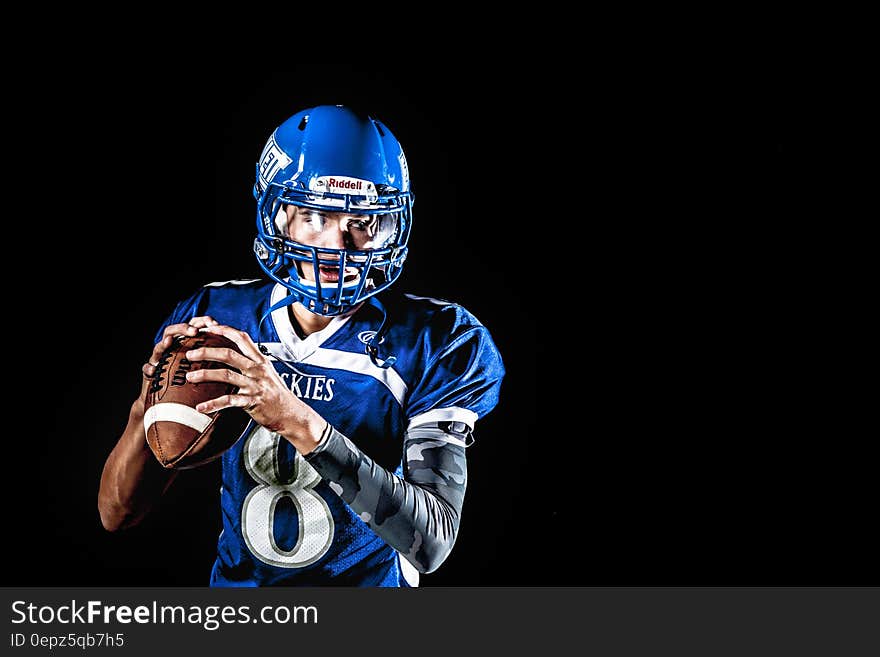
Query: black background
{"type": "Point", "coordinates": [625, 237]}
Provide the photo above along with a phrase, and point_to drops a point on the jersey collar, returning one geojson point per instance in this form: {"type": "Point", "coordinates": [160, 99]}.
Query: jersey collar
{"type": "Point", "coordinates": [295, 347]}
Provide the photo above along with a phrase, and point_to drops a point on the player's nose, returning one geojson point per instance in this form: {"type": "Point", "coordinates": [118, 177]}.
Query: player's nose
{"type": "Point", "coordinates": [334, 237]}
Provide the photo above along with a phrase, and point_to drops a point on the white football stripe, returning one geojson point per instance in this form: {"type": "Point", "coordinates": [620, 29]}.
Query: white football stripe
{"type": "Point", "coordinates": [450, 414]}
{"type": "Point", "coordinates": [173, 412]}
{"type": "Point", "coordinates": [361, 364]}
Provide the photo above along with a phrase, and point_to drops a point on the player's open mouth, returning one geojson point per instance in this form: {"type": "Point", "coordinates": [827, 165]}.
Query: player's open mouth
{"type": "Point", "coordinates": [331, 274]}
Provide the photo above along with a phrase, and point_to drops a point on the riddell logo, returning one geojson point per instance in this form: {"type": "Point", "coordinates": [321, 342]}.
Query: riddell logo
{"type": "Point", "coordinates": [345, 184]}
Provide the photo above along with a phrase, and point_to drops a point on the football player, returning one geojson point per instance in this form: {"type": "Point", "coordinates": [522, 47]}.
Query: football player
{"type": "Point", "coordinates": [362, 400]}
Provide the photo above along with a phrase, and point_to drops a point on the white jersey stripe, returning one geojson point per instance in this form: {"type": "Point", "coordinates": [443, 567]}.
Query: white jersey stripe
{"type": "Point", "coordinates": [235, 281]}
{"type": "Point", "coordinates": [173, 412]}
{"type": "Point", "coordinates": [360, 364]}
{"type": "Point", "coordinates": [277, 351]}
{"type": "Point", "coordinates": [450, 414]}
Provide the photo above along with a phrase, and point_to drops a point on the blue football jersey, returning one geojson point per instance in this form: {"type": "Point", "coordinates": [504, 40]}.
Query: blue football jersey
{"type": "Point", "coordinates": [284, 525]}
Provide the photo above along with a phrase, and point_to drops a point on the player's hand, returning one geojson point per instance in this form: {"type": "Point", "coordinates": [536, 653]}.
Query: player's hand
{"type": "Point", "coordinates": [262, 393]}
{"type": "Point", "coordinates": [149, 368]}
{"type": "Point", "coordinates": [190, 328]}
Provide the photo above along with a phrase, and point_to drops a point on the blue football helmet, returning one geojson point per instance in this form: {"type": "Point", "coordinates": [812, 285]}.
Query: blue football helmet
{"type": "Point", "coordinates": [330, 159]}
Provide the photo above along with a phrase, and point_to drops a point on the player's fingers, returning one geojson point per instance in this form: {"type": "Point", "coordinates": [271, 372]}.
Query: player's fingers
{"type": "Point", "coordinates": [240, 338]}
{"type": "Point", "coordinates": [159, 348]}
{"type": "Point", "coordinates": [221, 355]}
{"type": "Point", "coordinates": [202, 321]}
{"type": "Point", "coordinates": [221, 375]}
{"type": "Point", "coordinates": [149, 368]}
{"type": "Point", "coordinates": [226, 401]}
{"type": "Point", "coordinates": [180, 329]}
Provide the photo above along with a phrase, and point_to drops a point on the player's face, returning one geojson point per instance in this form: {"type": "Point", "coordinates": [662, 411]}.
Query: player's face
{"type": "Point", "coordinates": [330, 230]}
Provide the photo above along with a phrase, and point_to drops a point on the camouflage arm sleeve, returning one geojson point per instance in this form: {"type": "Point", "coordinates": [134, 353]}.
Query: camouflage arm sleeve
{"type": "Point", "coordinates": [418, 514]}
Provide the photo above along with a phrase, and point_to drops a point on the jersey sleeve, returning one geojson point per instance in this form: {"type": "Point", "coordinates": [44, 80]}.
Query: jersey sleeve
{"type": "Point", "coordinates": [462, 375]}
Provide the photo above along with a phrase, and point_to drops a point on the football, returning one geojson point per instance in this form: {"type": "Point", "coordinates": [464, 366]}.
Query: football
{"type": "Point", "coordinates": [180, 436]}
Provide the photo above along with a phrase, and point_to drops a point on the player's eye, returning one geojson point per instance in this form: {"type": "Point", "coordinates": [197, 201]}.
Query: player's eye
{"type": "Point", "coordinates": [363, 225]}
{"type": "Point", "coordinates": [314, 221]}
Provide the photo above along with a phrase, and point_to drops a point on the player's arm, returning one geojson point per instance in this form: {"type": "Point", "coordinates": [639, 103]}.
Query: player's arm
{"type": "Point", "coordinates": [418, 515]}
{"type": "Point", "coordinates": [133, 480]}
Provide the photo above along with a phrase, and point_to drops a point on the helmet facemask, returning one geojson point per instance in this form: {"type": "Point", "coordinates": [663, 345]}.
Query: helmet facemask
{"type": "Point", "coordinates": [368, 265]}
